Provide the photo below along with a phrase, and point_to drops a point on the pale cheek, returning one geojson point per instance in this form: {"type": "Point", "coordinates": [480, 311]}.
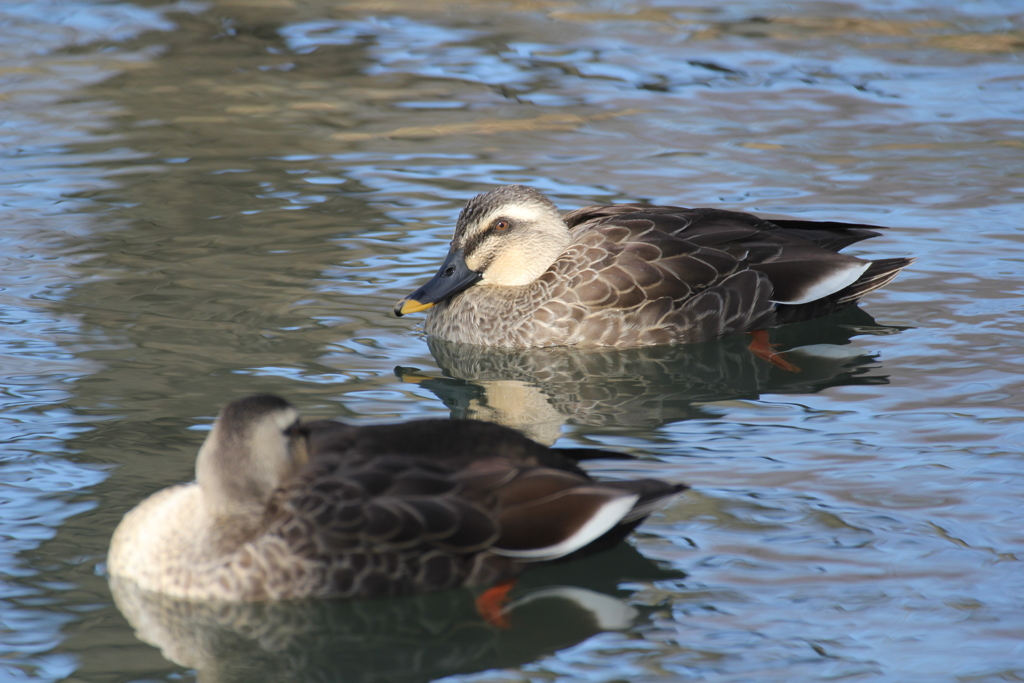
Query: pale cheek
{"type": "Point", "coordinates": [474, 263]}
{"type": "Point", "coordinates": [512, 269]}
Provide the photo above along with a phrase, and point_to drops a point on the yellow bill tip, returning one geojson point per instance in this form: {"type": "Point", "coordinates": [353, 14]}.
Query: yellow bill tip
{"type": "Point", "coordinates": [407, 306]}
{"type": "Point", "coordinates": [411, 376]}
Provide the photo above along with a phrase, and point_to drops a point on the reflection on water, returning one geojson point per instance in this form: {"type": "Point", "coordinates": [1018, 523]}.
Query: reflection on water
{"type": "Point", "coordinates": [538, 390]}
{"type": "Point", "coordinates": [418, 638]}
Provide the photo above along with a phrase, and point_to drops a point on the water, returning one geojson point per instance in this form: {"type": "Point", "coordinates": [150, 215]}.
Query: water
{"type": "Point", "coordinates": [206, 199]}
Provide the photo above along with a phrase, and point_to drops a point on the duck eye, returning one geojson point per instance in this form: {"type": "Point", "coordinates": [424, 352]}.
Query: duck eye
{"type": "Point", "coordinates": [296, 429]}
{"type": "Point", "coordinates": [501, 225]}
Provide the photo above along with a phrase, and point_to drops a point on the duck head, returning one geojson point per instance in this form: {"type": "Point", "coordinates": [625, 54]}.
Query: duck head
{"type": "Point", "coordinates": [506, 237]}
{"type": "Point", "coordinates": [256, 443]}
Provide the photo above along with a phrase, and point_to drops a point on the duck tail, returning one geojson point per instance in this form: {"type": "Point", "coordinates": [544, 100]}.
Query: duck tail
{"type": "Point", "coordinates": [879, 274]}
{"type": "Point", "coordinates": [652, 495]}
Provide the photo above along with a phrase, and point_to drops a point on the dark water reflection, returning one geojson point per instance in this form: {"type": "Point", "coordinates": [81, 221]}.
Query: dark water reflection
{"type": "Point", "coordinates": [202, 200]}
{"type": "Point", "coordinates": [418, 638]}
{"type": "Point", "coordinates": [538, 390]}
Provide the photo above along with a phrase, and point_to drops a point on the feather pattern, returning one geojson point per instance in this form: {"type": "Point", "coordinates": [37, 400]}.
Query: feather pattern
{"type": "Point", "coordinates": [367, 511]}
{"type": "Point", "coordinates": [637, 275]}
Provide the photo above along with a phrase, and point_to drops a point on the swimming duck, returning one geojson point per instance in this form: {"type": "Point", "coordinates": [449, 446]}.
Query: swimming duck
{"type": "Point", "coordinates": [520, 275]}
{"type": "Point", "coordinates": [282, 509]}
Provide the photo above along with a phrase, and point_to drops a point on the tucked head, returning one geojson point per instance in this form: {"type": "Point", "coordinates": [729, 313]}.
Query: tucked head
{"type": "Point", "coordinates": [256, 443]}
{"type": "Point", "coordinates": [505, 237]}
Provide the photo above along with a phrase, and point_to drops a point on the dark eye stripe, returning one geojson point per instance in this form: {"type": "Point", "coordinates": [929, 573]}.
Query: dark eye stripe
{"type": "Point", "coordinates": [474, 241]}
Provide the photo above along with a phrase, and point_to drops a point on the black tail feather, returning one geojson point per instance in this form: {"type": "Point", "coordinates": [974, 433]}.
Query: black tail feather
{"type": "Point", "coordinates": [879, 273]}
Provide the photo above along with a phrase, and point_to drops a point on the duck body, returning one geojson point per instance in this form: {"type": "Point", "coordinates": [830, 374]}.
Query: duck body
{"type": "Point", "coordinates": [282, 510]}
{"type": "Point", "coordinates": [520, 275]}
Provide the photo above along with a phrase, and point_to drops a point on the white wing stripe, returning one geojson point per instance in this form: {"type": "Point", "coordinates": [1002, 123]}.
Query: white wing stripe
{"type": "Point", "coordinates": [607, 516]}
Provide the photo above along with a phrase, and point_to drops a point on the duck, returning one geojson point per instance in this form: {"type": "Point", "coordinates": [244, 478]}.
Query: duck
{"type": "Point", "coordinates": [283, 509]}
{"type": "Point", "coordinates": [519, 274]}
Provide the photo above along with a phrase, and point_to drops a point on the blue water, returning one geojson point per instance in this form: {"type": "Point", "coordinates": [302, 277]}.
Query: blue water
{"type": "Point", "coordinates": [203, 200]}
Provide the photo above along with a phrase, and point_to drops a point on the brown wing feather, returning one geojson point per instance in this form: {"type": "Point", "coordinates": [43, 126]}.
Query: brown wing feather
{"type": "Point", "coordinates": [381, 525]}
{"type": "Point", "coordinates": [429, 505]}
{"type": "Point", "coordinates": [655, 285]}
{"type": "Point", "coordinates": [454, 444]}
{"type": "Point", "coordinates": [545, 522]}
{"type": "Point", "coordinates": [694, 257]}
{"type": "Point", "coordinates": [394, 523]}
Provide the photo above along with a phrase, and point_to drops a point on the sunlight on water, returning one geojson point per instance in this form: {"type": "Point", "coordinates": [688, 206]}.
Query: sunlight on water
{"type": "Point", "coordinates": [203, 200]}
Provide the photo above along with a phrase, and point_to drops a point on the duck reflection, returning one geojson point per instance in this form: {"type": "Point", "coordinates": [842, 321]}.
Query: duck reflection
{"type": "Point", "coordinates": [411, 639]}
{"type": "Point", "coordinates": [537, 391]}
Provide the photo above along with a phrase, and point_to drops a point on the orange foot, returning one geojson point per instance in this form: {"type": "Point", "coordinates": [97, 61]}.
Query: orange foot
{"type": "Point", "coordinates": [491, 604]}
{"type": "Point", "coordinates": [761, 347]}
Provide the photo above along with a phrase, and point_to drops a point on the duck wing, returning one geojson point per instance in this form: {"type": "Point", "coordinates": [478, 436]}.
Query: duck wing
{"type": "Point", "coordinates": [387, 524]}
{"type": "Point", "coordinates": [718, 226]}
{"type": "Point", "coordinates": [629, 279]}
{"type": "Point", "coordinates": [800, 259]}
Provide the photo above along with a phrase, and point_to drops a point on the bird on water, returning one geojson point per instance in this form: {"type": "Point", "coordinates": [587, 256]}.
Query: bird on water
{"type": "Point", "coordinates": [284, 509]}
{"type": "Point", "coordinates": [519, 274]}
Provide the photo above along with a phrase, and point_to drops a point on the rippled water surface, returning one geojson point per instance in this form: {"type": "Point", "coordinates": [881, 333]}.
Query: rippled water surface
{"type": "Point", "coordinates": [200, 200]}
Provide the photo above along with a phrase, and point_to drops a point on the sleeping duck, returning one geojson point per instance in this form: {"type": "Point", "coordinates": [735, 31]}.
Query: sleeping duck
{"type": "Point", "coordinates": [519, 274]}
{"type": "Point", "coordinates": [282, 509]}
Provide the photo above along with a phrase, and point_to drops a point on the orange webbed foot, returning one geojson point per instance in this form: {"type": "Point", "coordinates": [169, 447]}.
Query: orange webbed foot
{"type": "Point", "coordinates": [491, 604]}
{"type": "Point", "coordinates": [761, 347]}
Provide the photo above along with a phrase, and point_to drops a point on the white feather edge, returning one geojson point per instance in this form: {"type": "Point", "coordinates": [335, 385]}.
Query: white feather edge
{"type": "Point", "coordinates": [607, 516]}
{"type": "Point", "coordinates": [654, 505]}
{"type": "Point", "coordinates": [609, 614]}
{"type": "Point", "coordinates": [830, 285]}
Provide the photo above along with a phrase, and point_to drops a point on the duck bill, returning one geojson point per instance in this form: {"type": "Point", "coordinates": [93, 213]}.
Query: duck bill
{"type": "Point", "coordinates": [453, 277]}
